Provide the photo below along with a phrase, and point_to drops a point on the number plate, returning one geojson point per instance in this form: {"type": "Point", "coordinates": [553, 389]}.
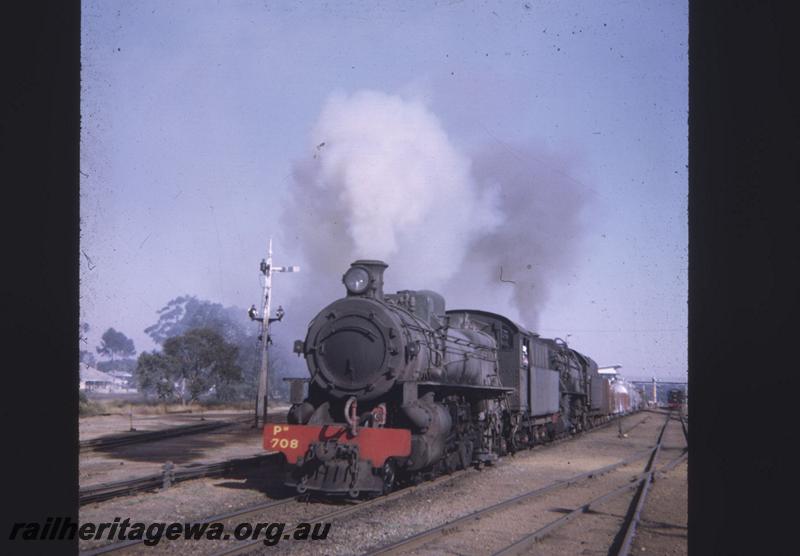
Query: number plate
{"type": "Point", "coordinates": [375, 445]}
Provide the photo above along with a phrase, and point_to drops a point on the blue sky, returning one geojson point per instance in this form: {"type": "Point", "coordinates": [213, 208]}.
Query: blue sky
{"type": "Point", "coordinates": [195, 113]}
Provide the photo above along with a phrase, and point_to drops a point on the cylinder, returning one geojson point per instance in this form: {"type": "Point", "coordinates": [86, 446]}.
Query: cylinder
{"type": "Point", "coordinates": [431, 423]}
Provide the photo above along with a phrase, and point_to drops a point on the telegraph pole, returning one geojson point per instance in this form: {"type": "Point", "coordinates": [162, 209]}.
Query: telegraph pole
{"type": "Point", "coordinates": [655, 393]}
{"type": "Point", "coordinates": [267, 269]}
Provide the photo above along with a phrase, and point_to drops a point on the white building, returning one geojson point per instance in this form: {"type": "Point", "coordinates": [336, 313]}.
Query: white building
{"type": "Point", "coordinates": [609, 372]}
{"type": "Point", "coordinates": [94, 380]}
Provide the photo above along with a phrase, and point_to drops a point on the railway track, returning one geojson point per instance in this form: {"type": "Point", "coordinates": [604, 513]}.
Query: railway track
{"type": "Point", "coordinates": [684, 427]}
{"type": "Point", "coordinates": [624, 539]}
{"type": "Point", "coordinates": [106, 491]}
{"type": "Point", "coordinates": [627, 530]}
{"type": "Point", "coordinates": [446, 532]}
{"type": "Point", "coordinates": [246, 546]}
{"type": "Point", "coordinates": [113, 441]}
{"type": "Point", "coordinates": [340, 512]}
{"type": "Point", "coordinates": [242, 512]}
{"type": "Point", "coordinates": [329, 517]}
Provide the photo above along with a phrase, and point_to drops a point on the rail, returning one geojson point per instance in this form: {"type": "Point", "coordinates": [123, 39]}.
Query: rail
{"type": "Point", "coordinates": [244, 546]}
{"type": "Point", "coordinates": [522, 545]}
{"type": "Point", "coordinates": [112, 441]}
{"type": "Point", "coordinates": [114, 547]}
{"type": "Point", "coordinates": [165, 479]}
{"type": "Point", "coordinates": [155, 481]}
{"type": "Point", "coordinates": [429, 535]}
{"type": "Point", "coordinates": [622, 544]}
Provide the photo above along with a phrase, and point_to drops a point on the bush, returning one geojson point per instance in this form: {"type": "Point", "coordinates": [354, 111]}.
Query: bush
{"type": "Point", "coordinates": [87, 407]}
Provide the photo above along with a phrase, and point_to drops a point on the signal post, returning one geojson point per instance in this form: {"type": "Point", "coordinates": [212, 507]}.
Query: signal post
{"type": "Point", "coordinates": [267, 269]}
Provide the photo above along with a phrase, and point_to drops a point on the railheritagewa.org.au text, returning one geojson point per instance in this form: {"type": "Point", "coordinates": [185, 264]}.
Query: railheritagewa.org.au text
{"type": "Point", "coordinates": [151, 534]}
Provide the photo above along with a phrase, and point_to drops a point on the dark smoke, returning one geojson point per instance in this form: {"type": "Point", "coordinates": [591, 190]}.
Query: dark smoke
{"type": "Point", "coordinates": [535, 246]}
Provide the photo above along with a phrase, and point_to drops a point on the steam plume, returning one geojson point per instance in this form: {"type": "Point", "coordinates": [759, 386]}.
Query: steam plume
{"type": "Point", "coordinates": [385, 182]}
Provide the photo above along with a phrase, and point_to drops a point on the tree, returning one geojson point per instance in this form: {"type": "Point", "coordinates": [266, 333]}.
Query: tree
{"type": "Point", "coordinates": [87, 358]}
{"type": "Point", "coordinates": [190, 366]}
{"type": "Point", "coordinates": [187, 312]}
{"type": "Point", "coordinates": [113, 344]}
{"type": "Point", "coordinates": [122, 365]}
{"type": "Point", "coordinates": [155, 376]}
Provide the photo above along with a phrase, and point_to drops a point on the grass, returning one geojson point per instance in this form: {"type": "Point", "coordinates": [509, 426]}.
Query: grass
{"type": "Point", "coordinates": [87, 408]}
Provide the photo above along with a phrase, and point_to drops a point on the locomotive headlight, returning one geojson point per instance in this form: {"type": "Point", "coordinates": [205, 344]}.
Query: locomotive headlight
{"type": "Point", "coordinates": [356, 280]}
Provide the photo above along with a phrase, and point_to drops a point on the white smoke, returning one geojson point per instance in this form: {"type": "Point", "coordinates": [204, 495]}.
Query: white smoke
{"type": "Point", "coordinates": [383, 181]}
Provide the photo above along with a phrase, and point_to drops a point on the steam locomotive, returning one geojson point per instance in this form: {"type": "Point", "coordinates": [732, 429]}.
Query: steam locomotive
{"type": "Point", "coordinates": [402, 389]}
{"type": "Point", "coordinates": [676, 397]}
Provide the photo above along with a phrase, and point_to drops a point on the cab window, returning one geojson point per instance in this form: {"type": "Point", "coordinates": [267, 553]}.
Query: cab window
{"type": "Point", "coordinates": [506, 338]}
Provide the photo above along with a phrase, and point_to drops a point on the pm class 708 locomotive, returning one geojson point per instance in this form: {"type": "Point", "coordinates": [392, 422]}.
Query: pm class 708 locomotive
{"type": "Point", "coordinates": [402, 390]}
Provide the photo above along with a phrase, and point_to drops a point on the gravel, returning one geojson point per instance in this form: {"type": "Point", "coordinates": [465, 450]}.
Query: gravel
{"type": "Point", "coordinates": [434, 504]}
{"type": "Point", "coordinates": [119, 463]}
